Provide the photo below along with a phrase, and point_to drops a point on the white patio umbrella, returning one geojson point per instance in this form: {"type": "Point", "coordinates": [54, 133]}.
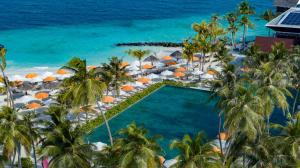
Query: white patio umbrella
{"type": "Point", "coordinates": [198, 72]}
{"type": "Point", "coordinates": [217, 68]}
{"type": "Point", "coordinates": [100, 146]}
{"type": "Point", "coordinates": [167, 73]}
{"type": "Point", "coordinates": [153, 76]}
{"type": "Point", "coordinates": [207, 76]}
{"type": "Point", "coordinates": [25, 99]}
{"type": "Point", "coordinates": [16, 78]}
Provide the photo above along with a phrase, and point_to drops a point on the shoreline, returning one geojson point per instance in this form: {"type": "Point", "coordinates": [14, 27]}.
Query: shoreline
{"type": "Point", "coordinates": [22, 71]}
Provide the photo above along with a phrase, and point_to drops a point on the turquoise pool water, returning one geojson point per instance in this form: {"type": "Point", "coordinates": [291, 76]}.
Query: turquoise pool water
{"type": "Point", "coordinates": [171, 112]}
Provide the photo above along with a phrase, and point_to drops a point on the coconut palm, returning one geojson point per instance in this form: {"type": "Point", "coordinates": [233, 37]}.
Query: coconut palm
{"type": "Point", "coordinates": [188, 52]}
{"type": "Point", "coordinates": [246, 23]}
{"type": "Point", "coordinates": [232, 28]}
{"type": "Point", "coordinates": [136, 149]}
{"type": "Point", "coordinates": [290, 139]}
{"type": "Point", "coordinates": [83, 88]}
{"type": "Point", "coordinates": [31, 121]}
{"type": "Point", "coordinates": [138, 54]}
{"type": "Point", "coordinates": [223, 56]}
{"type": "Point", "coordinates": [268, 15]}
{"type": "Point", "coordinates": [66, 148]}
{"type": "Point", "coordinates": [270, 79]}
{"type": "Point", "coordinates": [10, 100]}
{"type": "Point", "coordinates": [295, 67]}
{"type": "Point", "coordinates": [195, 152]}
{"type": "Point", "coordinates": [245, 10]}
{"type": "Point", "coordinates": [14, 134]}
{"type": "Point", "coordinates": [243, 111]}
{"type": "Point", "coordinates": [116, 72]}
{"type": "Point", "coordinates": [222, 87]}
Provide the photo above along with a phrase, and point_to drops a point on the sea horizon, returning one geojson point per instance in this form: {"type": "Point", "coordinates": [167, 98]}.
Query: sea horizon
{"type": "Point", "coordinates": [53, 42]}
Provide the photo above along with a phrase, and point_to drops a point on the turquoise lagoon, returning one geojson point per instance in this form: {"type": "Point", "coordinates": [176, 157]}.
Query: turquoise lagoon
{"type": "Point", "coordinates": [49, 33]}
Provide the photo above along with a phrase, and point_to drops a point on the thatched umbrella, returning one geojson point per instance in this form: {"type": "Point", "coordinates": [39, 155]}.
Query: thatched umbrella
{"type": "Point", "coordinates": [151, 59]}
{"type": "Point", "coordinates": [177, 55]}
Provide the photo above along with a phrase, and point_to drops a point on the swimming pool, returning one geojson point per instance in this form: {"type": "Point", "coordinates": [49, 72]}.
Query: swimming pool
{"type": "Point", "coordinates": [171, 112]}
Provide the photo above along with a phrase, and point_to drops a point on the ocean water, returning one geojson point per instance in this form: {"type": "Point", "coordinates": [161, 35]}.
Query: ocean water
{"type": "Point", "coordinates": [48, 33]}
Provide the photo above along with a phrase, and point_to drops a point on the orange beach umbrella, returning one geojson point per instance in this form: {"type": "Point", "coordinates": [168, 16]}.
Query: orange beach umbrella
{"type": "Point", "coordinates": [49, 79]}
{"type": "Point", "coordinates": [195, 58]}
{"type": "Point", "coordinates": [211, 72]}
{"type": "Point", "coordinates": [223, 136]}
{"type": "Point", "coordinates": [179, 74]}
{"type": "Point", "coordinates": [181, 69]}
{"type": "Point", "coordinates": [124, 64]}
{"type": "Point", "coordinates": [41, 95]}
{"type": "Point", "coordinates": [143, 80]}
{"type": "Point", "coordinates": [107, 99]}
{"type": "Point", "coordinates": [31, 75]}
{"type": "Point", "coordinates": [216, 149]}
{"type": "Point", "coordinates": [61, 72]}
{"type": "Point", "coordinates": [91, 67]}
{"type": "Point", "coordinates": [171, 63]}
{"type": "Point", "coordinates": [127, 88]}
{"type": "Point", "coordinates": [167, 58]}
{"type": "Point", "coordinates": [33, 105]}
{"type": "Point", "coordinates": [147, 66]}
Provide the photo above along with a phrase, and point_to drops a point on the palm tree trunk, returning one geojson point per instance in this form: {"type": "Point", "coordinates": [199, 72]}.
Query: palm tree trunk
{"type": "Point", "coordinates": [107, 125]}
{"type": "Point", "coordinates": [19, 156]}
{"type": "Point", "coordinates": [295, 101]}
{"type": "Point", "coordinates": [10, 100]}
{"type": "Point", "coordinates": [203, 62]}
{"type": "Point", "coordinates": [14, 157]}
{"type": "Point", "coordinates": [34, 155]}
{"type": "Point", "coordinates": [141, 66]}
{"type": "Point", "coordinates": [268, 124]}
{"type": "Point", "coordinates": [244, 37]}
{"type": "Point", "coordinates": [219, 131]}
{"type": "Point", "coordinates": [232, 41]}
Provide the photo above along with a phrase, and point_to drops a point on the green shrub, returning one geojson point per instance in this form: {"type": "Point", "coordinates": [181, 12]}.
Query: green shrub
{"type": "Point", "coordinates": [26, 163]}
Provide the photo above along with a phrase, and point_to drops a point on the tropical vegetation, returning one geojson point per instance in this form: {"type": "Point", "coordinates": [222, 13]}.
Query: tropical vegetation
{"type": "Point", "coordinates": [247, 95]}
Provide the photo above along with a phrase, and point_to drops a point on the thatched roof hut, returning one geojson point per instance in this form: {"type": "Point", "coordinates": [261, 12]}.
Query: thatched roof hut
{"type": "Point", "coordinates": [285, 4]}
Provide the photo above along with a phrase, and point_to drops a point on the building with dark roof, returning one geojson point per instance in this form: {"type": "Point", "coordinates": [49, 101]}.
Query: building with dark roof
{"type": "Point", "coordinates": [265, 43]}
{"type": "Point", "coordinates": [287, 25]}
{"type": "Point", "coordinates": [283, 5]}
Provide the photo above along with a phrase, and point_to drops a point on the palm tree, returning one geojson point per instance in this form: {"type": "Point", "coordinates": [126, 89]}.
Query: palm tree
{"type": "Point", "coordinates": [223, 56]}
{"type": "Point", "coordinates": [82, 89]}
{"type": "Point", "coordinates": [243, 111]}
{"type": "Point", "coordinates": [10, 100]}
{"type": "Point", "coordinates": [195, 152]}
{"type": "Point", "coordinates": [294, 60]}
{"type": "Point", "coordinates": [290, 139]}
{"type": "Point", "coordinates": [66, 148]}
{"type": "Point", "coordinates": [222, 87]}
{"type": "Point", "coordinates": [116, 72]}
{"type": "Point", "coordinates": [202, 41]}
{"type": "Point", "coordinates": [246, 23]}
{"type": "Point", "coordinates": [232, 28]}
{"type": "Point", "coordinates": [245, 10]}
{"type": "Point", "coordinates": [138, 54]}
{"type": "Point", "coordinates": [188, 52]}
{"type": "Point", "coordinates": [14, 134]}
{"type": "Point", "coordinates": [30, 121]}
{"type": "Point", "coordinates": [136, 149]}
{"type": "Point", "coordinates": [269, 76]}
{"type": "Point", "coordinates": [268, 15]}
